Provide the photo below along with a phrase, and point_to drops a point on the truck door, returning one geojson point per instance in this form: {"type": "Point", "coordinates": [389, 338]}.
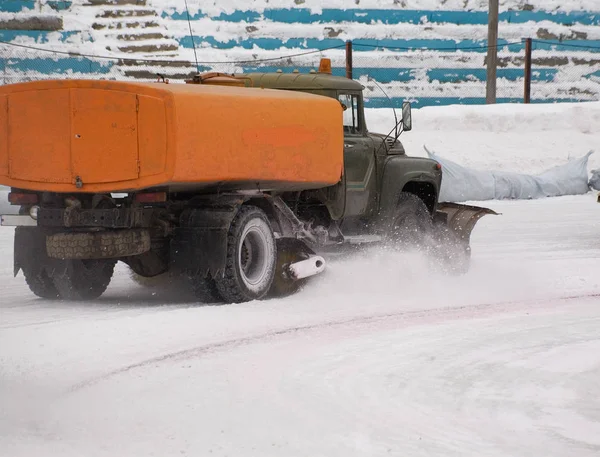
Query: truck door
{"type": "Point", "coordinates": [359, 160]}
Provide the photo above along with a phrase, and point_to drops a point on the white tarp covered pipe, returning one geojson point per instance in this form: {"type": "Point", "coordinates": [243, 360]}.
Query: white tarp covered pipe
{"type": "Point", "coordinates": [461, 184]}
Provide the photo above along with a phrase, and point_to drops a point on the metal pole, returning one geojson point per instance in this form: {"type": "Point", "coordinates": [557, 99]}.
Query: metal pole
{"type": "Point", "coordinates": [492, 54]}
{"type": "Point", "coordinates": [349, 59]}
{"type": "Point", "coordinates": [527, 93]}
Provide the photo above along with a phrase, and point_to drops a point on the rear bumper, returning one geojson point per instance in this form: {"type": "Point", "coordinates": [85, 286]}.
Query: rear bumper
{"type": "Point", "coordinates": [17, 220]}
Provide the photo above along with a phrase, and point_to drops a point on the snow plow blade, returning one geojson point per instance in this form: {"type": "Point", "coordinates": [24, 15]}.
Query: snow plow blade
{"type": "Point", "coordinates": [461, 219]}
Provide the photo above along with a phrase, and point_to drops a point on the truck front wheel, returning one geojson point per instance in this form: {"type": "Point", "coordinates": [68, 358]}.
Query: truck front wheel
{"type": "Point", "coordinates": [83, 279]}
{"type": "Point", "coordinates": [412, 222]}
{"type": "Point", "coordinates": [251, 257]}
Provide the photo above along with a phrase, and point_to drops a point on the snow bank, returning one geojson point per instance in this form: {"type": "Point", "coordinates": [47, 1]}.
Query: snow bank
{"type": "Point", "coordinates": [519, 138]}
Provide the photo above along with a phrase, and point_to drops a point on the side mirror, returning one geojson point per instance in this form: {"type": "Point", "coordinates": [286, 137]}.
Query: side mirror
{"type": "Point", "coordinates": [406, 117]}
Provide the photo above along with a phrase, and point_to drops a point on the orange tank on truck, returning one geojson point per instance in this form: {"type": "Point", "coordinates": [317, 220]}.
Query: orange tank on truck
{"type": "Point", "coordinates": [96, 136]}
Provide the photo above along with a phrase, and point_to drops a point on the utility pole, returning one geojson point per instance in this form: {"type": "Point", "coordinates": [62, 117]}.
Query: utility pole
{"type": "Point", "coordinates": [349, 59]}
{"type": "Point", "coordinates": [527, 91]}
{"type": "Point", "coordinates": [492, 54]}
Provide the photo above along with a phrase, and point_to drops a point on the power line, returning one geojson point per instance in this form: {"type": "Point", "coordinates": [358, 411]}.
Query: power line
{"type": "Point", "coordinates": [568, 45]}
{"type": "Point", "coordinates": [274, 59]}
{"type": "Point", "coordinates": [457, 48]}
{"type": "Point", "coordinates": [91, 56]}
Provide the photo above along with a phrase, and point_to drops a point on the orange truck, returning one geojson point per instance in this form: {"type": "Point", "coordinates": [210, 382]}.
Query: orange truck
{"type": "Point", "coordinates": [239, 184]}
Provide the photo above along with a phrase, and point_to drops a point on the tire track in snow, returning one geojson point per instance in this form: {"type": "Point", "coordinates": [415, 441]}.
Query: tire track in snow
{"type": "Point", "coordinates": [430, 316]}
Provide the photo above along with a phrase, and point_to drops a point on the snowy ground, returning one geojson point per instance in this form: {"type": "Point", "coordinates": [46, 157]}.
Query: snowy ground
{"type": "Point", "coordinates": [376, 357]}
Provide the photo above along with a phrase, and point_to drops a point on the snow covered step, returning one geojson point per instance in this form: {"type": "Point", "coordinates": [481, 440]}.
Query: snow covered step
{"type": "Point", "coordinates": [140, 36]}
{"type": "Point", "coordinates": [153, 72]}
{"type": "Point", "coordinates": [111, 25]}
{"type": "Point", "coordinates": [160, 63]}
{"type": "Point", "coordinates": [115, 2]}
{"type": "Point", "coordinates": [130, 26]}
{"type": "Point", "coordinates": [150, 47]}
{"type": "Point", "coordinates": [122, 13]}
{"type": "Point", "coordinates": [42, 22]}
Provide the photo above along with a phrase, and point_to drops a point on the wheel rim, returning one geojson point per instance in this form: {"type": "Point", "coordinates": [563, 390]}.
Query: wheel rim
{"type": "Point", "coordinates": [253, 256]}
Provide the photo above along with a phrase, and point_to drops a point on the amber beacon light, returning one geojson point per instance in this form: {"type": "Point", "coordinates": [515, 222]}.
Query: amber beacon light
{"type": "Point", "coordinates": [325, 66]}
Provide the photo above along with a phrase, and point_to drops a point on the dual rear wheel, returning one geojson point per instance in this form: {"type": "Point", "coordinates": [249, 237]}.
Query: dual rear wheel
{"type": "Point", "coordinates": [250, 268]}
{"type": "Point", "coordinates": [72, 280]}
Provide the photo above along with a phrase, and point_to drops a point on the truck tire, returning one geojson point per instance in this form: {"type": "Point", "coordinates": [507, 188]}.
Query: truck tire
{"type": "Point", "coordinates": [412, 222]}
{"type": "Point", "coordinates": [30, 257]}
{"type": "Point", "coordinates": [39, 282]}
{"type": "Point", "coordinates": [251, 257]}
{"type": "Point", "coordinates": [83, 279]}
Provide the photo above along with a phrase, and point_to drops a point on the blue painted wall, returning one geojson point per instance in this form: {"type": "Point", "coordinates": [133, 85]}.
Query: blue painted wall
{"type": "Point", "coordinates": [15, 6]}
{"type": "Point", "coordinates": [438, 77]}
{"type": "Point", "coordinates": [371, 16]}
{"type": "Point", "coordinates": [272, 44]}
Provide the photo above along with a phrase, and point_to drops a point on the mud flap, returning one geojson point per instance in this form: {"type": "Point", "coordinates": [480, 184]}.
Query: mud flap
{"type": "Point", "coordinates": [30, 251]}
{"type": "Point", "coordinates": [199, 244]}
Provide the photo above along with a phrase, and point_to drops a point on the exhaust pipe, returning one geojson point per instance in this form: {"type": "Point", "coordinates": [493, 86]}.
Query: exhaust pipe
{"type": "Point", "coordinates": [305, 268]}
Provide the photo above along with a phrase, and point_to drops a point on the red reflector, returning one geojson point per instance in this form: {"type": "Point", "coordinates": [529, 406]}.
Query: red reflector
{"type": "Point", "coordinates": [151, 197]}
{"type": "Point", "coordinates": [438, 166]}
{"type": "Point", "coordinates": [16, 198]}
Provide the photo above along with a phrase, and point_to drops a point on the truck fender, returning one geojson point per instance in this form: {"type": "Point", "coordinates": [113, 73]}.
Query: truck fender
{"type": "Point", "coordinates": [394, 182]}
{"type": "Point", "coordinates": [199, 244]}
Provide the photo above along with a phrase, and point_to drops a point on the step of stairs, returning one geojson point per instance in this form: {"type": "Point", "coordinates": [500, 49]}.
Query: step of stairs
{"type": "Point", "coordinates": [115, 2]}
{"type": "Point", "coordinates": [123, 12]}
{"type": "Point", "coordinates": [141, 36]}
{"type": "Point", "coordinates": [125, 25]}
{"type": "Point", "coordinates": [131, 27]}
{"type": "Point", "coordinates": [148, 48]}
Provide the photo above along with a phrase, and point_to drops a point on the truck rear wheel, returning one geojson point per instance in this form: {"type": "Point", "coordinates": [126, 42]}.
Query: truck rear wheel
{"type": "Point", "coordinates": [84, 279]}
{"type": "Point", "coordinates": [39, 282]}
{"type": "Point", "coordinates": [251, 257]}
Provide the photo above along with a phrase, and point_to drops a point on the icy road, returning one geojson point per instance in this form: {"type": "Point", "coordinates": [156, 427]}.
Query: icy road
{"type": "Point", "coordinates": [376, 357]}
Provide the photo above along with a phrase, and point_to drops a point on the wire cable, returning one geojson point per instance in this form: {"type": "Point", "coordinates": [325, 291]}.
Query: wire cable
{"type": "Point", "coordinates": [91, 56]}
